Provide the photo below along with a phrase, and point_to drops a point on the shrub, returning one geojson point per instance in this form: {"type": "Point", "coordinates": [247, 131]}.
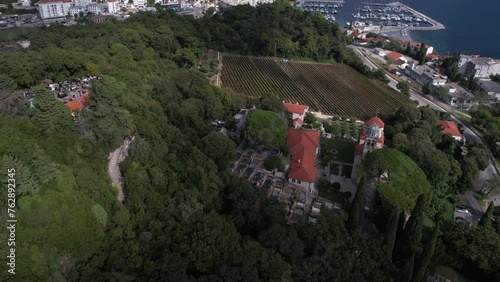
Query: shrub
{"type": "Point", "coordinates": [336, 186]}
{"type": "Point", "coordinates": [275, 162]}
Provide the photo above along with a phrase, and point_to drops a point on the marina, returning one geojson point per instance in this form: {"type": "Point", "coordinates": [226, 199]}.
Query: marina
{"type": "Point", "coordinates": [375, 17]}
{"type": "Point", "coordinates": [327, 8]}
{"type": "Point", "coordinates": [391, 17]}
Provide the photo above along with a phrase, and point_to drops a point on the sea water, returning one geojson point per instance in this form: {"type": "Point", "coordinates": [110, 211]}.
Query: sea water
{"type": "Point", "coordinates": [472, 27]}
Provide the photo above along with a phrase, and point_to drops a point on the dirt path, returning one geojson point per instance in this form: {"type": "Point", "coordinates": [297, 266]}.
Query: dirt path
{"type": "Point", "coordinates": [115, 158]}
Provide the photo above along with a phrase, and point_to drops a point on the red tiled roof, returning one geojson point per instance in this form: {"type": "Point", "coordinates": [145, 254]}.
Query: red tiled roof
{"type": "Point", "coordinates": [380, 39]}
{"type": "Point", "coordinates": [295, 108]}
{"type": "Point", "coordinates": [433, 56]}
{"type": "Point", "coordinates": [78, 105]}
{"type": "Point", "coordinates": [365, 40]}
{"type": "Point", "coordinates": [74, 105]}
{"type": "Point", "coordinates": [418, 45]}
{"type": "Point", "coordinates": [299, 120]}
{"type": "Point", "coordinates": [400, 62]}
{"type": "Point", "coordinates": [302, 145]}
{"type": "Point", "coordinates": [449, 127]}
{"type": "Point", "coordinates": [394, 55]}
{"type": "Point", "coordinates": [359, 149]}
{"type": "Point", "coordinates": [84, 98]}
{"type": "Point", "coordinates": [375, 120]}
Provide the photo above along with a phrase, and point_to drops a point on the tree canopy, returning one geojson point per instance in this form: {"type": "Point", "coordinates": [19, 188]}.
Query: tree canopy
{"type": "Point", "coordinates": [405, 180]}
{"type": "Point", "coordinates": [266, 127]}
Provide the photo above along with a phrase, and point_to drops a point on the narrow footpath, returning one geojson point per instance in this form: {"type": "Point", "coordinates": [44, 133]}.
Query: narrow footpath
{"type": "Point", "coordinates": [115, 158]}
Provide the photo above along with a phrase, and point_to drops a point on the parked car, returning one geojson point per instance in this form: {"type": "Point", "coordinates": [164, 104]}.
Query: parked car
{"type": "Point", "coordinates": [462, 209]}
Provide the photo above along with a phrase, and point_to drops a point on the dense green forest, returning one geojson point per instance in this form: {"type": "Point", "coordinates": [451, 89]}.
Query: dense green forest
{"type": "Point", "coordinates": [186, 217]}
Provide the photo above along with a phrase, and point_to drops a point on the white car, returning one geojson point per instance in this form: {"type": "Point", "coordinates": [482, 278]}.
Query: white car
{"type": "Point", "coordinates": [462, 210]}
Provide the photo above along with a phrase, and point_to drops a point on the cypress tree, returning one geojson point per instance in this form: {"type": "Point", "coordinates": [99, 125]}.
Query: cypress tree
{"type": "Point", "coordinates": [399, 233]}
{"type": "Point", "coordinates": [391, 231]}
{"type": "Point", "coordinates": [357, 206]}
{"type": "Point", "coordinates": [412, 233]}
{"type": "Point", "coordinates": [410, 240]}
{"type": "Point", "coordinates": [421, 54]}
{"type": "Point", "coordinates": [486, 219]}
{"type": "Point", "coordinates": [408, 49]}
{"type": "Point", "coordinates": [407, 270]}
{"type": "Point", "coordinates": [420, 272]}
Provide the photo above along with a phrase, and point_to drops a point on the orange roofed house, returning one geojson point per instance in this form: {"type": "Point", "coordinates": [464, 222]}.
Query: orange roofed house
{"type": "Point", "coordinates": [370, 138]}
{"type": "Point", "coordinates": [304, 147]}
{"type": "Point", "coordinates": [298, 113]}
{"type": "Point", "coordinates": [398, 59]}
{"type": "Point", "coordinates": [78, 105]}
{"type": "Point", "coordinates": [450, 127]}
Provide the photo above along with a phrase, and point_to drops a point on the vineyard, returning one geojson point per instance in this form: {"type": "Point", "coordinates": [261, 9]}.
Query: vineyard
{"type": "Point", "coordinates": [332, 89]}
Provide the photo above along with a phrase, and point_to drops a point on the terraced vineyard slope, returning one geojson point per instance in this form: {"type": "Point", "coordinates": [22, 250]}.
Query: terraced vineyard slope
{"type": "Point", "coordinates": [332, 89]}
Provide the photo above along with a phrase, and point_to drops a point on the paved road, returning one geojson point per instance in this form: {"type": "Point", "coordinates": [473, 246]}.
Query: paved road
{"type": "Point", "coordinates": [476, 211]}
{"type": "Point", "coordinates": [362, 54]}
{"type": "Point", "coordinates": [489, 173]}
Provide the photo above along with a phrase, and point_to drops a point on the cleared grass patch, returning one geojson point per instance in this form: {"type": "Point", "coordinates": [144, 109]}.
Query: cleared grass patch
{"type": "Point", "coordinates": [334, 169]}
{"type": "Point", "coordinates": [341, 151]}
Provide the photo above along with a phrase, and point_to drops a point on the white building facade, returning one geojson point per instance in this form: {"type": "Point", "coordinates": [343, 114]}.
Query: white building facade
{"type": "Point", "coordinates": [139, 4]}
{"type": "Point", "coordinates": [113, 6]}
{"type": "Point", "coordinates": [50, 9]}
{"type": "Point", "coordinates": [82, 3]}
{"type": "Point", "coordinates": [76, 10]}
{"type": "Point", "coordinates": [481, 67]}
{"type": "Point", "coordinates": [94, 9]}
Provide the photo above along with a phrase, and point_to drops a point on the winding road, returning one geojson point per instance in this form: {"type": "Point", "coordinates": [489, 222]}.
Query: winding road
{"type": "Point", "coordinates": [115, 158]}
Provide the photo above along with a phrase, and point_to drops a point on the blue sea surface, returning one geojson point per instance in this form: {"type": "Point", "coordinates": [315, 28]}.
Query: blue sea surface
{"type": "Point", "coordinates": [472, 27]}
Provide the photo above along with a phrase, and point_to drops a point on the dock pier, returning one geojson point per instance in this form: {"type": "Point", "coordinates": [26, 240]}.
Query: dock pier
{"type": "Point", "coordinates": [435, 25]}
